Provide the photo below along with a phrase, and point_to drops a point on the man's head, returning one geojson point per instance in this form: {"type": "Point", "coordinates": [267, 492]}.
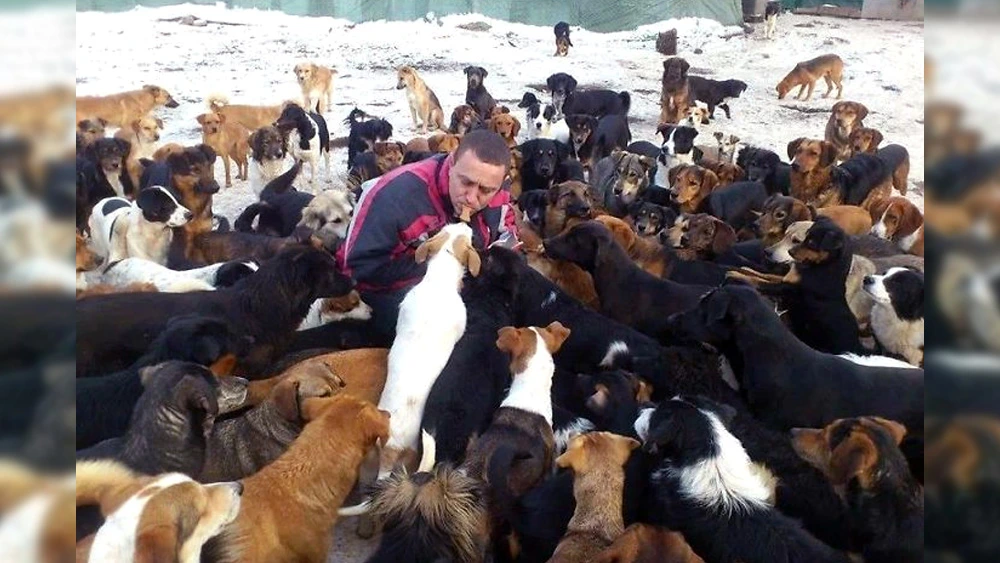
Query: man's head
{"type": "Point", "coordinates": [479, 170]}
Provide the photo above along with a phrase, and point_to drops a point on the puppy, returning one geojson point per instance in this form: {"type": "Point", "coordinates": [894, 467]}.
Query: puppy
{"type": "Point", "coordinates": [677, 149]}
{"type": "Point", "coordinates": [250, 117]}
{"type": "Point", "coordinates": [308, 138]}
{"type": "Point", "coordinates": [675, 90]}
{"type": "Point", "coordinates": [465, 118]}
{"type": "Point", "coordinates": [707, 488]}
{"type": "Point", "coordinates": [142, 134]}
{"type": "Point", "coordinates": [316, 83]}
{"type": "Point", "coordinates": [771, 12]}
{"type": "Point", "coordinates": [122, 229]}
{"type": "Point", "coordinates": [122, 109]}
{"type": "Point", "coordinates": [164, 517]}
{"type": "Point", "coordinates": [476, 95]}
{"type": "Point", "coordinates": [864, 140]}
{"type": "Point", "coordinates": [89, 130]}
{"type": "Point", "coordinates": [812, 163]}
{"type": "Point", "coordinates": [704, 237]}
{"type": "Point", "coordinates": [845, 118]}
{"type": "Point", "coordinates": [228, 140]}
{"type": "Point", "coordinates": [364, 134]}
{"type": "Point", "coordinates": [714, 93]}
{"type": "Point", "coordinates": [507, 126]}
{"type": "Point", "coordinates": [862, 459]}
{"type": "Point", "coordinates": [267, 156]}
{"type": "Point", "coordinates": [897, 316]}
{"type": "Point", "coordinates": [899, 220]}
{"type": "Point", "coordinates": [805, 74]}
{"type": "Point", "coordinates": [423, 102]}
{"type": "Point", "coordinates": [562, 39]}
{"type": "Point", "coordinates": [597, 460]}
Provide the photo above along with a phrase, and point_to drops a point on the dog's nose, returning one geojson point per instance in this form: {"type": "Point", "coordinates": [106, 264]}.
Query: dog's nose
{"type": "Point", "coordinates": [238, 487]}
{"type": "Point", "coordinates": [869, 280]}
{"type": "Point", "coordinates": [795, 166]}
{"type": "Point", "coordinates": [188, 215]}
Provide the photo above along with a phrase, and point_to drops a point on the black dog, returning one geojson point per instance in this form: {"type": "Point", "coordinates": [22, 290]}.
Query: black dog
{"type": "Point", "coordinates": [597, 103]}
{"type": "Point", "coordinates": [476, 94]}
{"type": "Point", "coordinates": [649, 218]}
{"type": "Point", "coordinates": [541, 160]}
{"type": "Point", "coordinates": [104, 404]}
{"type": "Point", "coordinates": [628, 294]}
{"type": "Point", "coordinates": [101, 173]}
{"type": "Point", "coordinates": [365, 132]}
{"type": "Point", "coordinates": [115, 330]}
{"type": "Point", "coordinates": [706, 488]}
{"type": "Point", "coordinates": [857, 176]}
{"type": "Point", "coordinates": [172, 419]}
{"type": "Point", "coordinates": [788, 384]}
{"type": "Point", "coordinates": [737, 204]}
{"type": "Point", "coordinates": [280, 207]}
{"type": "Point", "coordinates": [594, 139]}
{"type": "Point", "coordinates": [715, 92]}
{"type": "Point", "coordinates": [766, 167]}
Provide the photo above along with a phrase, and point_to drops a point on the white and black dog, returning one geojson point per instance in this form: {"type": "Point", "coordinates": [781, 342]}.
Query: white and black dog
{"type": "Point", "coordinates": [267, 156]}
{"type": "Point", "coordinates": [771, 18]}
{"type": "Point", "coordinates": [707, 488]}
{"type": "Point", "coordinates": [677, 148]}
{"type": "Point", "coordinates": [541, 121]}
{"type": "Point", "coordinates": [897, 317]}
{"type": "Point", "coordinates": [308, 138]}
{"type": "Point", "coordinates": [141, 229]}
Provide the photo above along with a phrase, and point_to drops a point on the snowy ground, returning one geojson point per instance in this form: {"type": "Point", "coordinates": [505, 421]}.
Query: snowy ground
{"type": "Point", "coordinates": [252, 62]}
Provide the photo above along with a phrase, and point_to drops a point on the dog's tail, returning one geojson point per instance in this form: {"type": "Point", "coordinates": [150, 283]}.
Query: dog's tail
{"type": "Point", "coordinates": [216, 101]}
{"type": "Point", "coordinates": [284, 182]}
{"type": "Point", "coordinates": [223, 223]}
{"type": "Point", "coordinates": [96, 479]}
{"type": "Point", "coordinates": [626, 99]}
{"type": "Point", "coordinates": [244, 223]}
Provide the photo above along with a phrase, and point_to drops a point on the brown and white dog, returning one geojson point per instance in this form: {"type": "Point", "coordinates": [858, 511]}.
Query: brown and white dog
{"type": "Point", "coordinates": [229, 140]}
{"type": "Point", "coordinates": [597, 460]}
{"type": "Point", "coordinates": [424, 104]}
{"type": "Point", "coordinates": [674, 90]}
{"type": "Point", "coordinates": [845, 118]}
{"type": "Point", "coordinates": [812, 162]}
{"type": "Point", "coordinates": [122, 109]}
{"type": "Point", "coordinates": [805, 74]}
{"type": "Point", "coordinates": [151, 518]}
{"type": "Point", "coordinates": [268, 149]}
{"type": "Point", "coordinates": [317, 85]}
{"type": "Point", "coordinates": [899, 220]}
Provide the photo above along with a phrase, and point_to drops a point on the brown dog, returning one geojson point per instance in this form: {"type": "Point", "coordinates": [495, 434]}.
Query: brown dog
{"type": "Point", "coordinates": [251, 117]}
{"type": "Point", "coordinates": [507, 126]}
{"type": "Point", "coordinates": [568, 201]}
{"type": "Point", "coordinates": [899, 220]}
{"type": "Point", "coordinates": [443, 142]}
{"type": "Point", "coordinates": [122, 109]}
{"type": "Point", "coordinates": [421, 99]}
{"type": "Point", "coordinates": [691, 185]}
{"type": "Point", "coordinates": [778, 212]}
{"type": "Point", "coordinates": [674, 92]}
{"type": "Point", "coordinates": [597, 460]}
{"type": "Point", "coordinates": [289, 507]}
{"type": "Point", "coordinates": [571, 278]}
{"type": "Point", "coordinates": [317, 85]}
{"type": "Point", "coordinates": [726, 171]}
{"type": "Point", "coordinates": [845, 118]}
{"type": "Point", "coordinates": [388, 155]}
{"type": "Point", "coordinates": [646, 252]}
{"type": "Point", "coordinates": [463, 119]}
{"type": "Point", "coordinates": [514, 173]}
{"type": "Point", "coordinates": [864, 140]}
{"type": "Point", "coordinates": [643, 543]}
{"type": "Point", "coordinates": [704, 237]}
{"type": "Point", "coordinates": [805, 74]}
{"type": "Point", "coordinates": [812, 161]}
{"type": "Point", "coordinates": [192, 175]}
{"type": "Point", "coordinates": [89, 130]}
{"type": "Point", "coordinates": [229, 140]}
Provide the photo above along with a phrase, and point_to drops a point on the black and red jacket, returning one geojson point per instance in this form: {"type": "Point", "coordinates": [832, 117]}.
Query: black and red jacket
{"type": "Point", "coordinates": [403, 209]}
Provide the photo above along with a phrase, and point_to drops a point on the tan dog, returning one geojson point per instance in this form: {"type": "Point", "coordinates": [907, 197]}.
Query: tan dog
{"type": "Point", "coordinates": [388, 155]}
{"type": "Point", "coordinates": [674, 91]}
{"type": "Point", "coordinates": [865, 140]}
{"type": "Point", "coordinates": [229, 140]}
{"type": "Point", "coordinates": [845, 118]}
{"type": "Point", "coordinates": [572, 279]}
{"type": "Point", "coordinates": [899, 220]}
{"type": "Point", "coordinates": [290, 506]}
{"type": "Point", "coordinates": [812, 161]}
{"type": "Point", "coordinates": [643, 543]}
{"type": "Point", "coordinates": [597, 460]}
{"type": "Point", "coordinates": [726, 171]}
{"type": "Point", "coordinates": [853, 219]}
{"type": "Point", "coordinates": [443, 142]}
{"type": "Point", "coordinates": [805, 74]}
{"type": "Point", "coordinates": [505, 125]}
{"type": "Point", "coordinates": [89, 130]}
{"type": "Point", "coordinates": [691, 185]}
{"type": "Point", "coordinates": [142, 133]}
{"type": "Point", "coordinates": [122, 109]}
{"type": "Point", "coordinates": [646, 252]}
{"type": "Point", "coordinates": [421, 99]}
{"type": "Point", "coordinates": [317, 86]}
{"type": "Point", "coordinates": [167, 149]}
{"type": "Point", "coordinates": [514, 173]}
{"type": "Point", "coordinates": [251, 117]}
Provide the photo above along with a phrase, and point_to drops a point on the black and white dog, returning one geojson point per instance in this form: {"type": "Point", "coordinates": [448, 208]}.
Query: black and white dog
{"type": "Point", "coordinates": [543, 123]}
{"type": "Point", "coordinates": [897, 317]}
{"type": "Point", "coordinates": [597, 103]}
{"type": "Point", "coordinates": [771, 18]}
{"type": "Point", "coordinates": [267, 156]}
{"type": "Point", "coordinates": [707, 488]}
{"type": "Point", "coordinates": [715, 93]}
{"type": "Point", "coordinates": [366, 130]}
{"type": "Point", "coordinates": [677, 148]}
{"type": "Point", "coordinates": [308, 138]}
{"type": "Point", "coordinates": [143, 229]}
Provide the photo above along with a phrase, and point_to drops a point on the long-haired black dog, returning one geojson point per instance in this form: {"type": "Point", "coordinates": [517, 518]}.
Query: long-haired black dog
{"type": "Point", "coordinates": [280, 207]}
{"type": "Point", "coordinates": [366, 130]}
{"type": "Point", "coordinates": [766, 167]}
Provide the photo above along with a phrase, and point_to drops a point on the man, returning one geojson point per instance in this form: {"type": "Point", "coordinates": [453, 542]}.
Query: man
{"type": "Point", "coordinates": [412, 203]}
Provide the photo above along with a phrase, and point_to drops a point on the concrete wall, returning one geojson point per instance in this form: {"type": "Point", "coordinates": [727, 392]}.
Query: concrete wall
{"type": "Point", "coordinates": [893, 9]}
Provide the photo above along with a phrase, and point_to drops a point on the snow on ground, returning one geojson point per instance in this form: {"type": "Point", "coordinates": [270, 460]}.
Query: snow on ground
{"type": "Point", "coordinates": [252, 62]}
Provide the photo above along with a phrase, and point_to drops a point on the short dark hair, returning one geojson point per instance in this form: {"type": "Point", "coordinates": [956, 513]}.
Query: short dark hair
{"type": "Point", "coordinates": [488, 147]}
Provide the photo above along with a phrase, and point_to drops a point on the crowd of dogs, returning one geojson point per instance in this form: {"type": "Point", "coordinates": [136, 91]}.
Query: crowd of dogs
{"type": "Point", "coordinates": [698, 352]}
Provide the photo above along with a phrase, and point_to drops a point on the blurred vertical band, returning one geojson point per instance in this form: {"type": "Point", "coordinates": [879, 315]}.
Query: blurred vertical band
{"type": "Point", "coordinates": [37, 326]}
{"type": "Point", "coordinates": [962, 209]}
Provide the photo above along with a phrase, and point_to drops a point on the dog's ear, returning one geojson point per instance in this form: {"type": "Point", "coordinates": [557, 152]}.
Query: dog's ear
{"type": "Point", "coordinates": [554, 335]}
{"type": "Point", "coordinates": [828, 154]}
{"type": "Point", "coordinates": [467, 255]}
{"type": "Point", "coordinates": [136, 124]}
{"type": "Point", "coordinates": [256, 150]}
{"type": "Point", "coordinates": [709, 181]}
{"type": "Point", "coordinates": [647, 163]}
{"type": "Point", "coordinates": [854, 457]}
{"type": "Point", "coordinates": [570, 84]}
{"type": "Point", "coordinates": [811, 212]}
{"type": "Point", "coordinates": [877, 208]}
{"type": "Point", "coordinates": [509, 340]}
{"type": "Point", "coordinates": [664, 129]}
{"type": "Point", "coordinates": [793, 147]}
{"type": "Point", "coordinates": [430, 247]}
{"type": "Point", "coordinates": [402, 147]}
{"type": "Point", "coordinates": [201, 119]}
{"type": "Point", "coordinates": [724, 238]}
{"type": "Point", "coordinates": [575, 456]}
{"type": "Point", "coordinates": [483, 70]}
{"type": "Point", "coordinates": [684, 65]}
{"type": "Point", "coordinates": [862, 110]}
{"type": "Point", "coordinates": [895, 429]}
{"type": "Point", "coordinates": [554, 194]}
{"type": "Point", "coordinates": [159, 122]}
{"type": "Point", "coordinates": [673, 173]}
{"type": "Point", "coordinates": [208, 151]}
{"type": "Point", "coordinates": [562, 151]}
{"type": "Point", "coordinates": [222, 117]}
{"type": "Point", "coordinates": [718, 136]}
{"type": "Point", "coordinates": [718, 305]}
{"type": "Point", "coordinates": [491, 124]}
{"type": "Point", "coordinates": [468, 69]}
{"type": "Point", "coordinates": [617, 156]}
{"type": "Point", "coordinates": [158, 544]}
{"type": "Point", "coordinates": [517, 127]}
{"type": "Point", "coordinates": [876, 138]}
{"type": "Point", "coordinates": [286, 400]}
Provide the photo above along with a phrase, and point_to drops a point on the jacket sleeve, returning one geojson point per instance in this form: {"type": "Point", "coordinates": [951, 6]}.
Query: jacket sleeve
{"type": "Point", "coordinates": [370, 257]}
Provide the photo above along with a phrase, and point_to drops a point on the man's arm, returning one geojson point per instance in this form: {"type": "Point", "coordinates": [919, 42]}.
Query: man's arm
{"type": "Point", "coordinates": [376, 237]}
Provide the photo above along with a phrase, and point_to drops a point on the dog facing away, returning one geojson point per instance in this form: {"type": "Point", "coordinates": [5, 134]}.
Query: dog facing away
{"type": "Point", "coordinates": [122, 109]}
{"type": "Point", "coordinates": [228, 140]}
{"type": "Point", "coordinates": [708, 489]}
{"type": "Point", "coordinates": [897, 316]}
{"type": "Point", "coordinates": [307, 136]}
{"type": "Point", "coordinates": [805, 74]}
{"type": "Point", "coordinates": [476, 94]}
{"type": "Point", "coordinates": [316, 83]}
{"type": "Point", "coordinates": [423, 102]}
{"type": "Point", "coordinates": [562, 39]}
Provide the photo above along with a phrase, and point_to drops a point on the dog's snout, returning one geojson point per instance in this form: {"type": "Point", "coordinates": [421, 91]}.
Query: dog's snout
{"type": "Point", "coordinates": [238, 487]}
{"type": "Point", "coordinates": [869, 280]}
{"type": "Point", "coordinates": [188, 215]}
{"type": "Point", "coordinates": [795, 166]}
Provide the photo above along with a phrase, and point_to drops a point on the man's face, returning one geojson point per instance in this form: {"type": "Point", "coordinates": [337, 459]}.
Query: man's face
{"type": "Point", "coordinates": [472, 183]}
